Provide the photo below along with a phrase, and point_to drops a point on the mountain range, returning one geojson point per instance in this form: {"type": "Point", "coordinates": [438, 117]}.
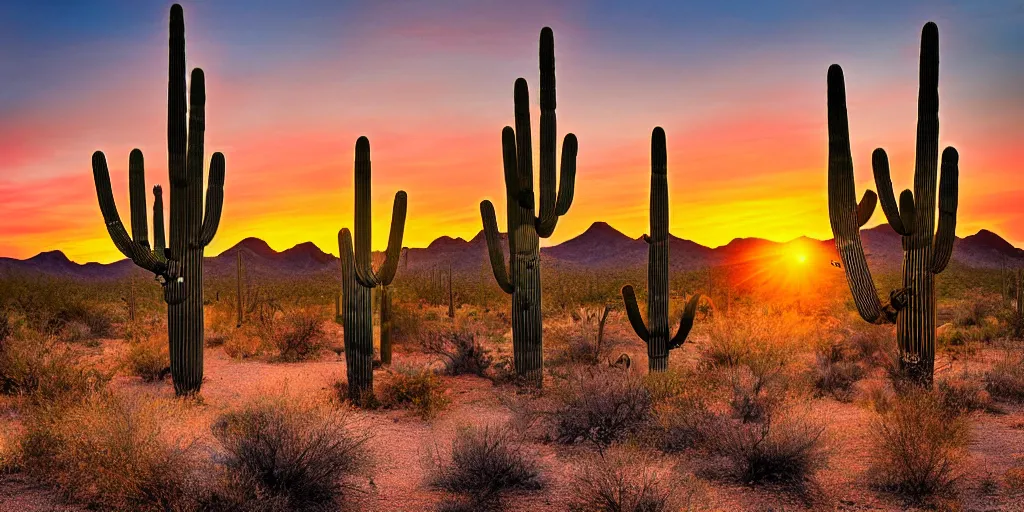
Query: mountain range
{"type": "Point", "coordinates": [599, 247]}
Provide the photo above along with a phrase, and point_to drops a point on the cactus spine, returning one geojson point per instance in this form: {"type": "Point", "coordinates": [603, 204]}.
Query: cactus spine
{"type": "Point", "coordinates": [359, 278]}
{"type": "Point", "coordinates": [179, 267]}
{"type": "Point", "coordinates": [656, 336]}
{"type": "Point", "coordinates": [926, 252]}
{"type": "Point", "coordinates": [525, 228]}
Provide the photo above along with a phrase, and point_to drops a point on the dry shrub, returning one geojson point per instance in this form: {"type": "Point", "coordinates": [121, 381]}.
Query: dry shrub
{"type": "Point", "coordinates": [112, 452]}
{"type": "Point", "coordinates": [917, 445]}
{"type": "Point", "coordinates": [1005, 380]}
{"type": "Point", "coordinates": [974, 309]}
{"type": "Point", "coordinates": [835, 371]}
{"type": "Point", "coordinates": [758, 386]}
{"type": "Point", "coordinates": [1014, 480]}
{"type": "Point", "coordinates": [627, 482]}
{"type": "Point", "coordinates": [46, 369]}
{"type": "Point", "coordinates": [871, 343]}
{"type": "Point", "coordinates": [458, 349]}
{"type": "Point", "coordinates": [486, 462]}
{"type": "Point", "coordinates": [149, 357]}
{"type": "Point", "coordinates": [79, 320]}
{"type": "Point", "coordinates": [599, 405]}
{"type": "Point", "coordinates": [582, 340]}
{"type": "Point", "coordinates": [290, 455]}
{"type": "Point", "coordinates": [682, 415]}
{"type": "Point", "coordinates": [787, 447]}
{"type": "Point", "coordinates": [964, 394]}
{"type": "Point", "coordinates": [418, 389]}
{"type": "Point", "coordinates": [300, 335]}
{"type": "Point", "coordinates": [245, 343]}
{"type": "Point", "coordinates": [756, 333]}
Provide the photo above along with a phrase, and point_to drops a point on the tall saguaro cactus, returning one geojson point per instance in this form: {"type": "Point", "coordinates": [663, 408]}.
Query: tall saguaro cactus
{"type": "Point", "coordinates": [656, 336]}
{"type": "Point", "coordinates": [179, 267]}
{"type": "Point", "coordinates": [926, 252]}
{"type": "Point", "coordinates": [525, 227]}
{"type": "Point", "coordinates": [359, 279]}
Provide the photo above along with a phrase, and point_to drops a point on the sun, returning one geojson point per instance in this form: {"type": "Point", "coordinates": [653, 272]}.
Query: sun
{"type": "Point", "coordinates": [801, 257]}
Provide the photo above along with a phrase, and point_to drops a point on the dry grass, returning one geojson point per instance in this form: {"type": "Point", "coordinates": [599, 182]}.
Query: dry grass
{"type": "Point", "coordinates": [1005, 380]}
{"type": "Point", "coordinates": [149, 357]}
{"type": "Point", "coordinates": [112, 452]}
{"type": "Point", "coordinates": [418, 389]}
{"type": "Point", "coordinates": [917, 446]}
{"type": "Point", "coordinates": [626, 482]}
{"type": "Point", "coordinates": [458, 349]}
{"type": "Point", "coordinates": [484, 463]}
{"type": "Point", "coordinates": [294, 455]}
{"type": "Point", "coordinates": [786, 448]}
{"type": "Point", "coordinates": [836, 370]}
{"type": "Point", "coordinates": [599, 405]}
{"type": "Point", "coordinates": [46, 369]}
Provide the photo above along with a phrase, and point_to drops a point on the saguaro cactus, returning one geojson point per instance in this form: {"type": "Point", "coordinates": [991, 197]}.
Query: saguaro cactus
{"type": "Point", "coordinates": [179, 267]}
{"type": "Point", "coordinates": [358, 278]}
{"type": "Point", "coordinates": [525, 228]}
{"type": "Point", "coordinates": [926, 252]}
{"type": "Point", "coordinates": [656, 337]}
{"type": "Point", "coordinates": [239, 298]}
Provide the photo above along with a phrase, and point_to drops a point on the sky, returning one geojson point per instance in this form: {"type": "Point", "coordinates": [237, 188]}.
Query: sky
{"type": "Point", "coordinates": [739, 88]}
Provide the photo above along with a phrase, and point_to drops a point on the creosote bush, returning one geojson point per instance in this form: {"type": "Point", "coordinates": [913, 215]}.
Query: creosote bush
{"type": "Point", "coordinates": [786, 447]}
{"type": "Point", "coordinates": [418, 389]}
{"type": "Point", "coordinates": [112, 452]}
{"type": "Point", "coordinates": [300, 335]}
{"type": "Point", "coordinates": [484, 463]}
{"type": "Point", "coordinates": [458, 349]}
{"type": "Point", "coordinates": [623, 482]}
{"type": "Point", "coordinates": [599, 405]}
{"type": "Point", "coordinates": [918, 445]}
{"type": "Point", "coordinates": [295, 455]}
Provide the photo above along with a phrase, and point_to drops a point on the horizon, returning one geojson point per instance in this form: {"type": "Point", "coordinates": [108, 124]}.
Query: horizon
{"type": "Point", "coordinates": [741, 95]}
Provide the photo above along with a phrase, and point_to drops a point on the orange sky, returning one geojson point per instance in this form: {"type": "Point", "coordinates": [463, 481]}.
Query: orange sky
{"type": "Point", "coordinates": [745, 124]}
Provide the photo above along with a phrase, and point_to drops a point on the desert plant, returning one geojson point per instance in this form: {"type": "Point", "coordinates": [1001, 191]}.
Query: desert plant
{"type": "Point", "coordinates": [1005, 380]}
{"type": "Point", "coordinates": [303, 456]}
{"type": "Point", "coordinates": [525, 227]}
{"type": "Point", "coordinates": [47, 370]}
{"type": "Point", "coordinates": [112, 452]}
{"type": "Point", "coordinates": [786, 448]}
{"type": "Point", "coordinates": [179, 267]}
{"type": "Point", "coordinates": [358, 279]}
{"type": "Point", "coordinates": [459, 349]}
{"type": "Point", "coordinates": [622, 483]}
{"type": "Point", "coordinates": [485, 462]}
{"type": "Point", "coordinates": [600, 406]}
{"type": "Point", "coordinates": [300, 336]}
{"type": "Point", "coordinates": [415, 388]}
{"type": "Point", "coordinates": [926, 251]}
{"type": "Point", "coordinates": [656, 335]}
{"type": "Point", "coordinates": [835, 371]}
{"type": "Point", "coordinates": [149, 358]}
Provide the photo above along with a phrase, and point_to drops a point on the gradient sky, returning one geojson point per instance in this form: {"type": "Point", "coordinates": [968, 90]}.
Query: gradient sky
{"type": "Point", "coordinates": [738, 86]}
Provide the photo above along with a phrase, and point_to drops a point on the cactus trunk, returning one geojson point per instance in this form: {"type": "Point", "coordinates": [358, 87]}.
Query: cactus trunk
{"type": "Point", "coordinates": [656, 332]}
{"type": "Point", "coordinates": [525, 224]}
{"type": "Point", "coordinates": [358, 321]}
{"type": "Point", "coordinates": [927, 248]}
{"type": "Point", "coordinates": [385, 325]}
{"type": "Point", "coordinates": [192, 227]}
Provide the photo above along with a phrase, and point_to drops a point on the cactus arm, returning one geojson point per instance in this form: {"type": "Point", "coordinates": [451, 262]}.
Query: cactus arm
{"type": "Point", "coordinates": [176, 102]}
{"type": "Point", "coordinates": [946, 233]}
{"type": "Point", "coordinates": [547, 218]}
{"type": "Point", "coordinates": [524, 146]}
{"type": "Point", "coordinates": [389, 268]}
{"type": "Point", "coordinates": [633, 313]}
{"type": "Point", "coordinates": [866, 207]}
{"type": "Point", "coordinates": [214, 200]}
{"type": "Point", "coordinates": [842, 207]}
{"type": "Point", "coordinates": [138, 253]}
{"type": "Point", "coordinates": [567, 178]}
{"type": "Point", "coordinates": [159, 240]}
{"type": "Point", "coordinates": [363, 227]}
{"type": "Point", "coordinates": [137, 197]}
{"type": "Point", "coordinates": [196, 143]}
{"type": "Point", "coordinates": [899, 217]}
{"type": "Point", "coordinates": [685, 323]}
{"type": "Point", "coordinates": [494, 248]}
{"type": "Point", "coordinates": [345, 251]}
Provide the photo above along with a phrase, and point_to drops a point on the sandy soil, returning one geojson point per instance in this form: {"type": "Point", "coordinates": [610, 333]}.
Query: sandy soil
{"type": "Point", "coordinates": [402, 441]}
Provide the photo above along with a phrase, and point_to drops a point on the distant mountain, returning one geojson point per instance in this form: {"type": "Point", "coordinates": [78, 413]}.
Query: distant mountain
{"type": "Point", "coordinates": [600, 246]}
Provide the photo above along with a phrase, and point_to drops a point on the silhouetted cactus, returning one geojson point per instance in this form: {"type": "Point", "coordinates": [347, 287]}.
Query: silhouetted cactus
{"type": "Point", "coordinates": [525, 228]}
{"type": "Point", "coordinates": [926, 252]}
{"type": "Point", "coordinates": [656, 337]}
{"type": "Point", "coordinates": [359, 278]}
{"type": "Point", "coordinates": [239, 298]}
{"type": "Point", "coordinates": [180, 266]}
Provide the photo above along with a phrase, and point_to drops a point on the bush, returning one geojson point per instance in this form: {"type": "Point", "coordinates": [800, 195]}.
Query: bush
{"type": "Point", "coordinates": [1005, 380]}
{"type": "Point", "coordinates": [783, 448]}
{"type": "Point", "coordinates": [835, 371]}
{"type": "Point", "coordinates": [599, 405]}
{"type": "Point", "coordinates": [149, 358]}
{"type": "Point", "coordinates": [917, 445]}
{"type": "Point", "coordinates": [623, 483]}
{"type": "Point", "coordinates": [486, 461]}
{"type": "Point", "coordinates": [296, 455]}
{"type": "Point", "coordinates": [682, 414]}
{"type": "Point", "coordinates": [963, 395]}
{"type": "Point", "coordinates": [415, 388]}
{"type": "Point", "coordinates": [111, 452]}
{"type": "Point", "coordinates": [459, 350]}
{"type": "Point", "coordinates": [46, 369]}
{"type": "Point", "coordinates": [300, 335]}
{"type": "Point", "coordinates": [243, 344]}
{"type": "Point", "coordinates": [757, 388]}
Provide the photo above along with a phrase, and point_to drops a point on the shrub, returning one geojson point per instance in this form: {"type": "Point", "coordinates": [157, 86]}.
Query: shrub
{"type": "Point", "coordinates": [599, 405]}
{"type": "Point", "coordinates": [835, 371]}
{"type": "Point", "coordinates": [1005, 380]}
{"type": "Point", "coordinates": [149, 358]}
{"type": "Point", "coordinates": [459, 350]}
{"type": "Point", "coordinates": [111, 452]}
{"type": "Point", "coordinates": [46, 369]}
{"type": "Point", "coordinates": [917, 445]}
{"type": "Point", "coordinates": [682, 414]}
{"type": "Point", "coordinates": [243, 344]}
{"type": "Point", "coordinates": [415, 388]}
{"type": "Point", "coordinates": [5, 325]}
{"type": "Point", "coordinates": [486, 461]}
{"type": "Point", "coordinates": [871, 343]}
{"type": "Point", "coordinates": [297, 455]}
{"type": "Point", "coordinates": [624, 483]}
{"type": "Point", "coordinates": [783, 448]}
{"type": "Point", "coordinates": [963, 395]}
{"type": "Point", "coordinates": [300, 335]}
{"type": "Point", "coordinates": [756, 389]}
